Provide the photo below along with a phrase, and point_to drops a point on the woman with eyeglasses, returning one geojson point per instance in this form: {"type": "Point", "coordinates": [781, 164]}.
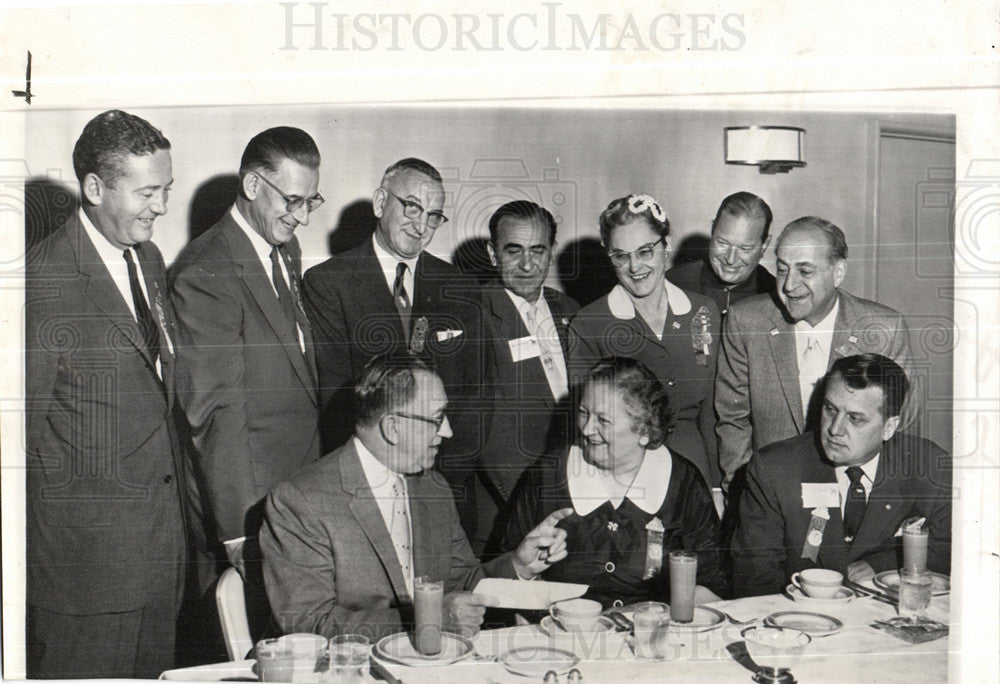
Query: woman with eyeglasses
{"type": "Point", "coordinates": [674, 332]}
{"type": "Point", "coordinates": [633, 499]}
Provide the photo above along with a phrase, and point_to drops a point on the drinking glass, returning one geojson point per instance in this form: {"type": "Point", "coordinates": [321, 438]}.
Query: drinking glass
{"type": "Point", "coordinates": [914, 593]}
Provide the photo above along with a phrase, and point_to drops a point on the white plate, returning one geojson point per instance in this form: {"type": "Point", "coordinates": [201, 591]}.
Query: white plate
{"type": "Point", "coordinates": [398, 648]}
{"type": "Point", "coordinates": [535, 661]}
{"type": "Point", "coordinates": [814, 624]}
{"type": "Point", "coordinates": [705, 619]}
{"type": "Point", "coordinates": [551, 627]}
{"type": "Point", "coordinates": [889, 580]}
{"type": "Point", "coordinates": [844, 596]}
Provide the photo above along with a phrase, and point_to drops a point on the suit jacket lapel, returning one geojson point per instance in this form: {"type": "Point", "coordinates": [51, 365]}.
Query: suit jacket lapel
{"type": "Point", "coordinates": [103, 292]}
{"type": "Point", "coordinates": [785, 361]}
{"type": "Point", "coordinates": [885, 494]}
{"type": "Point", "coordinates": [560, 316]}
{"type": "Point", "coordinates": [258, 281]}
{"type": "Point", "coordinates": [369, 518]}
{"type": "Point", "coordinates": [529, 373]}
{"type": "Point", "coordinates": [373, 293]}
{"type": "Point", "coordinates": [843, 327]}
{"type": "Point", "coordinates": [833, 550]}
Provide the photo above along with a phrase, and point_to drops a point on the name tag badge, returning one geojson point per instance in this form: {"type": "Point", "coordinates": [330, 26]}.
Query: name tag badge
{"type": "Point", "coordinates": [820, 495]}
{"type": "Point", "coordinates": [814, 537]}
{"type": "Point", "coordinates": [524, 348]}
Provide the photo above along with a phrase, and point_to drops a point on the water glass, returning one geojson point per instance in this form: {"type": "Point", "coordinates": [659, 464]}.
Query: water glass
{"type": "Point", "coordinates": [349, 655]}
{"type": "Point", "coordinates": [914, 593]}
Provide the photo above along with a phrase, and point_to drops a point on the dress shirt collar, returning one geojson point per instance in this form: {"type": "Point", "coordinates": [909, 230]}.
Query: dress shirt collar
{"type": "Point", "coordinates": [844, 480]}
{"type": "Point", "coordinates": [114, 261]}
{"type": "Point", "coordinates": [261, 246]}
{"type": "Point", "coordinates": [621, 305]}
{"type": "Point", "coordinates": [822, 329]}
{"type": "Point", "coordinates": [541, 307]}
{"type": "Point", "coordinates": [647, 491]}
{"type": "Point", "coordinates": [387, 262]}
{"type": "Point", "coordinates": [380, 478]}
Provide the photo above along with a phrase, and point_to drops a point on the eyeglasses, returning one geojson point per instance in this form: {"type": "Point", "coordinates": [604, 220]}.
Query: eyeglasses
{"type": "Point", "coordinates": [293, 204]}
{"type": "Point", "coordinates": [436, 422]}
{"type": "Point", "coordinates": [413, 211]}
{"type": "Point", "coordinates": [644, 254]}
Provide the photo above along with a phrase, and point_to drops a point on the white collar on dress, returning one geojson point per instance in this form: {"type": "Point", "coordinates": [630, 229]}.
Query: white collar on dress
{"type": "Point", "coordinates": [621, 305]}
{"type": "Point", "coordinates": [647, 491]}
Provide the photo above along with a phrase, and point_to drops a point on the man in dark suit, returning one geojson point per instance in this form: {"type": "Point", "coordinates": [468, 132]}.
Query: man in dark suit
{"type": "Point", "coordinates": [837, 498]}
{"type": "Point", "coordinates": [731, 270]}
{"type": "Point", "coordinates": [526, 324]}
{"type": "Point", "coordinates": [775, 347]}
{"type": "Point", "coordinates": [389, 295]}
{"type": "Point", "coordinates": [105, 529]}
{"type": "Point", "coordinates": [246, 371]}
{"type": "Point", "coordinates": [344, 539]}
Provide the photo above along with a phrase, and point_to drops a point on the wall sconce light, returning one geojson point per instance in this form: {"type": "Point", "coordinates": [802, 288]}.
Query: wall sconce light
{"type": "Point", "coordinates": [774, 149]}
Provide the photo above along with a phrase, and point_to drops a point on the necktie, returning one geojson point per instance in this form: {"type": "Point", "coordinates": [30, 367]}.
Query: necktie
{"type": "Point", "coordinates": [854, 507]}
{"type": "Point", "coordinates": [549, 351]}
{"type": "Point", "coordinates": [281, 286]}
{"type": "Point", "coordinates": [812, 367]}
{"type": "Point", "coordinates": [400, 529]}
{"type": "Point", "coordinates": [147, 325]}
{"type": "Point", "coordinates": [402, 299]}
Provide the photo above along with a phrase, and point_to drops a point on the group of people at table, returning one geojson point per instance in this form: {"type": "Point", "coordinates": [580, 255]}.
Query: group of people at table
{"type": "Point", "coordinates": [178, 425]}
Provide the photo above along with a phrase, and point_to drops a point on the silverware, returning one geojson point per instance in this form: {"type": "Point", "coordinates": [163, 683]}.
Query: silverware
{"type": "Point", "coordinates": [622, 623]}
{"type": "Point", "coordinates": [870, 593]}
{"type": "Point", "coordinates": [379, 671]}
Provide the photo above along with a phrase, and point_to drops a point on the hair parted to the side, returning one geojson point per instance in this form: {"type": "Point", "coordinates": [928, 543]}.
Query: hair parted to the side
{"type": "Point", "coordinates": [644, 395]}
{"type": "Point", "coordinates": [269, 148]}
{"type": "Point", "coordinates": [748, 206]}
{"type": "Point", "coordinates": [521, 210]}
{"type": "Point", "coordinates": [874, 370]}
{"type": "Point", "coordinates": [412, 164]}
{"type": "Point", "coordinates": [834, 236]}
{"type": "Point", "coordinates": [108, 139]}
{"type": "Point", "coordinates": [625, 210]}
{"type": "Point", "coordinates": [387, 383]}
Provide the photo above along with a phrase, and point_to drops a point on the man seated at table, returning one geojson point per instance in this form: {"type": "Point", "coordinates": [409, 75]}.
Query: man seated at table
{"type": "Point", "coordinates": [837, 498]}
{"type": "Point", "coordinates": [344, 537]}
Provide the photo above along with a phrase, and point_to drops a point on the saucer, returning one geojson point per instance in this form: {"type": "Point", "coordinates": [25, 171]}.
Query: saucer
{"type": "Point", "coordinates": [705, 619]}
{"type": "Point", "coordinates": [813, 624]}
{"type": "Point", "coordinates": [843, 596]}
{"type": "Point", "coordinates": [551, 627]}
{"type": "Point", "coordinates": [398, 648]}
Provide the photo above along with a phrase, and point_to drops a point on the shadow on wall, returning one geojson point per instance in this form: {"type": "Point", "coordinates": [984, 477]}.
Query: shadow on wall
{"type": "Point", "coordinates": [472, 259]}
{"type": "Point", "coordinates": [47, 206]}
{"type": "Point", "coordinates": [691, 248]}
{"type": "Point", "coordinates": [355, 224]}
{"type": "Point", "coordinates": [210, 203]}
{"type": "Point", "coordinates": [585, 272]}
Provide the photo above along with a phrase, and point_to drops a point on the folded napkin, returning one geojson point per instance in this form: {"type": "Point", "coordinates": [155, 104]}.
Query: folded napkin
{"type": "Point", "coordinates": [918, 632]}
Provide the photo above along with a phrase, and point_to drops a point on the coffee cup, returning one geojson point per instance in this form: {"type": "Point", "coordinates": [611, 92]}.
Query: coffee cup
{"type": "Point", "coordinates": [818, 582]}
{"type": "Point", "coordinates": [576, 615]}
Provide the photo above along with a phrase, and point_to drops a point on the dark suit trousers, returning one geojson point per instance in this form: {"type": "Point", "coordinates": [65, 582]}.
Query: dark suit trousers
{"type": "Point", "coordinates": [138, 643]}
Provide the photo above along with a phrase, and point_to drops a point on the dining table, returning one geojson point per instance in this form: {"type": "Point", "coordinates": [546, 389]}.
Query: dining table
{"type": "Point", "coordinates": [856, 652]}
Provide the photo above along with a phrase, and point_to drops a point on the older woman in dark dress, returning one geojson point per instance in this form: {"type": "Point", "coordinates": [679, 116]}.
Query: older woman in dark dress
{"type": "Point", "coordinates": [623, 485]}
{"type": "Point", "coordinates": [674, 332]}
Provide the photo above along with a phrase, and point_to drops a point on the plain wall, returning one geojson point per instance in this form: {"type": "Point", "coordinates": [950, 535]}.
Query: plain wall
{"type": "Point", "coordinates": [572, 160]}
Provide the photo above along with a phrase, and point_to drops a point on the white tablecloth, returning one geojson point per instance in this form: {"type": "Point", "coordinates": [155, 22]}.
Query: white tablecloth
{"type": "Point", "coordinates": [858, 653]}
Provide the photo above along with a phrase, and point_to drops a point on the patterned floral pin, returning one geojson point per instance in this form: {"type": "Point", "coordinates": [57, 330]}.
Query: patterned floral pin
{"type": "Point", "coordinates": [701, 335]}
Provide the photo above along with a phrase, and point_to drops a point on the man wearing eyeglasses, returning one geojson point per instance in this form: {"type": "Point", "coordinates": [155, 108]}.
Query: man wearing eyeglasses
{"type": "Point", "coordinates": [247, 374]}
{"type": "Point", "coordinates": [390, 295]}
{"type": "Point", "coordinates": [526, 325]}
{"type": "Point", "coordinates": [731, 270]}
{"type": "Point", "coordinates": [345, 539]}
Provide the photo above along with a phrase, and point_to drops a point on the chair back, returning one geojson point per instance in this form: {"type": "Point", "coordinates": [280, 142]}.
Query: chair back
{"type": "Point", "coordinates": [233, 614]}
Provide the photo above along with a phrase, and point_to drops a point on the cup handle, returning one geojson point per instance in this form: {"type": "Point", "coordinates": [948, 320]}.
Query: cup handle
{"type": "Point", "coordinates": [795, 580]}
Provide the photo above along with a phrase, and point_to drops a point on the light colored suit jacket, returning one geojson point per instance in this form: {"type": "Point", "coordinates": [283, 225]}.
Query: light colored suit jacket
{"type": "Point", "coordinates": [757, 396]}
{"type": "Point", "coordinates": [329, 563]}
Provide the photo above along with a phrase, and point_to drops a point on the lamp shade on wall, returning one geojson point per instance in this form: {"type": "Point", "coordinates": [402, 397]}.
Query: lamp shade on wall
{"type": "Point", "coordinates": [774, 149]}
